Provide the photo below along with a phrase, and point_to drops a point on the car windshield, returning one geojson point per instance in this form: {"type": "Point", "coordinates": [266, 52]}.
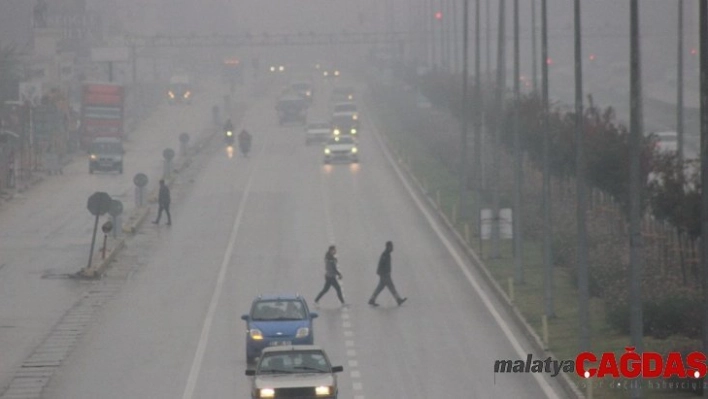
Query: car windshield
{"type": "Point", "coordinates": [342, 120]}
{"type": "Point", "coordinates": [323, 125]}
{"type": "Point", "coordinates": [345, 108]}
{"type": "Point", "coordinates": [343, 90]}
{"type": "Point", "coordinates": [301, 86]}
{"type": "Point", "coordinates": [311, 361]}
{"type": "Point", "coordinates": [278, 310]}
{"type": "Point", "coordinates": [179, 87]}
{"type": "Point", "coordinates": [340, 140]}
{"type": "Point", "coordinates": [106, 148]}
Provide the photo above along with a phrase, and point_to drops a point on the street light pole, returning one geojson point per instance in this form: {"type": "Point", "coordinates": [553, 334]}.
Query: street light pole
{"type": "Point", "coordinates": [679, 84]}
{"type": "Point", "coordinates": [501, 86]}
{"type": "Point", "coordinates": [581, 199]}
{"type": "Point", "coordinates": [547, 226]}
{"type": "Point", "coordinates": [465, 107]}
{"type": "Point", "coordinates": [478, 111]}
{"type": "Point", "coordinates": [636, 243]}
{"type": "Point", "coordinates": [518, 155]}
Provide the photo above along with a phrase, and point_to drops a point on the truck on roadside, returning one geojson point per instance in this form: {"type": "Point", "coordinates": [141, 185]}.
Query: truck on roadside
{"type": "Point", "coordinates": [102, 121]}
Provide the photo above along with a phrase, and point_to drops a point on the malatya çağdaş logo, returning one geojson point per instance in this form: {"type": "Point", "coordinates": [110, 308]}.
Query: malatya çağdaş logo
{"type": "Point", "coordinates": [628, 365]}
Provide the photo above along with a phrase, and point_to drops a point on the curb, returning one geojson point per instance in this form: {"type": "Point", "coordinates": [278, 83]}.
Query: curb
{"type": "Point", "coordinates": [136, 220]}
{"type": "Point", "coordinates": [566, 383]}
{"type": "Point", "coordinates": [99, 266]}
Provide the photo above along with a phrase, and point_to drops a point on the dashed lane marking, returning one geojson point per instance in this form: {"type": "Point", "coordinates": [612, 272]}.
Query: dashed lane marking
{"type": "Point", "coordinates": [208, 320]}
{"type": "Point", "coordinates": [461, 264]}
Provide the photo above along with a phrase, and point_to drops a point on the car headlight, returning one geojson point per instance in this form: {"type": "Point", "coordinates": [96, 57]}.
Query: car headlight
{"type": "Point", "coordinates": [308, 93]}
{"type": "Point", "coordinates": [323, 391]}
{"type": "Point", "coordinates": [354, 150]}
{"type": "Point", "coordinates": [171, 94]}
{"type": "Point", "coordinates": [272, 69]}
{"type": "Point", "coordinates": [350, 97]}
{"type": "Point", "coordinates": [302, 332]}
{"type": "Point", "coordinates": [336, 73]}
{"type": "Point", "coordinates": [266, 393]}
{"type": "Point", "coordinates": [93, 157]}
{"type": "Point", "coordinates": [327, 151]}
{"type": "Point", "coordinates": [355, 116]}
{"type": "Point", "coordinates": [336, 132]}
{"type": "Point", "coordinates": [187, 94]}
{"type": "Point", "coordinates": [229, 133]}
{"type": "Point", "coordinates": [281, 68]}
{"type": "Point", "coordinates": [325, 73]}
{"type": "Point", "coordinates": [256, 334]}
{"type": "Point", "coordinates": [353, 131]}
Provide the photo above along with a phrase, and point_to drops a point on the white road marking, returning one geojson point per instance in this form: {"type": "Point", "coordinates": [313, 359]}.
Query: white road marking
{"type": "Point", "coordinates": [347, 324]}
{"type": "Point", "coordinates": [353, 363]}
{"type": "Point", "coordinates": [208, 320]}
{"type": "Point", "coordinates": [328, 215]}
{"type": "Point", "coordinates": [355, 374]}
{"type": "Point", "coordinates": [351, 352]}
{"type": "Point", "coordinates": [544, 385]}
{"type": "Point", "coordinates": [348, 333]}
{"type": "Point", "coordinates": [349, 343]}
{"type": "Point", "coordinates": [357, 386]}
{"type": "Point", "coordinates": [344, 315]}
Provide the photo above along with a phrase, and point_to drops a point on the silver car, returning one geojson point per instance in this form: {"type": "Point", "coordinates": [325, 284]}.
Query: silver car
{"type": "Point", "coordinates": [301, 371]}
{"type": "Point", "coordinates": [341, 148]}
{"type": "Point", "coordinates": [317, 132]}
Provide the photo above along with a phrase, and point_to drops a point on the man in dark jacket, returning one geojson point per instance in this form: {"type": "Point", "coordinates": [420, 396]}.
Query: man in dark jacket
{"type": "Point", "coordinates": [331, 275]}
{"type": "Point", "coordinates": [385, 281]}
{"type": "Point", "coordinates": [163, 202]}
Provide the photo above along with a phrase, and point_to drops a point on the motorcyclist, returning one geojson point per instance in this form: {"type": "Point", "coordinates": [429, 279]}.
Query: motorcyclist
{"type": "Point", "coordinates": [229, 132]}
{"type": "Point", "coordinates": [244, 141]}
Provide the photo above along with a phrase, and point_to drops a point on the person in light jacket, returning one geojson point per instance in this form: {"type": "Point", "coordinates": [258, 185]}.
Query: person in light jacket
{"type": "Point", "coordinates": [331, 275]}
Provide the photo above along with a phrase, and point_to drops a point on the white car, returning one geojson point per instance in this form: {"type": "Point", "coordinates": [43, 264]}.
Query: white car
{"type": "Point", "coordinates": [341, 148]}
{"type": "Point", "coordinates": [301, 371]}
{"type": "Point", "coordinates": [347, 108]}
{"type": "Point", "coordinates": [317, 131]}
{"type": "Point", "coordinates": [666, 142]}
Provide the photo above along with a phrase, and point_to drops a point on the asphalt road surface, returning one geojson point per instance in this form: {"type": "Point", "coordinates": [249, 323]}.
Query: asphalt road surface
{"type": "Point", "coordinates": [245, 226]}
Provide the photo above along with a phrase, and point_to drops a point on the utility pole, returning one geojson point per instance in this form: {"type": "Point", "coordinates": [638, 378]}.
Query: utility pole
{"type": "Point", "coordinates": [679, 84]}
{"type": "Point", "coordinates": [703, 27]}
{"type": "Point", "coordinates": [501, 86]}
{"type": "Point", "coordinates": [465, 107]}
{"type": "Point", "coordinates": [534, 59]}
{"type": "Point", "coordinates": [581, 196]}
{"type": "Point", "coordinates": [518, 156]}
{"type": "Point", "coordinates": [443, 52]}
{"type": "Point", "coordinates": [547, 226]}
{"type": "Point", "coordinates": [431, 32]}
{"type": "Point", "coordinates": [478, 110]}
{"type": "Point", "coordinates": [488, 25]}
{"type": "Point", "coordinates": [454, 43]}
{"type": "Point", "coordinates": [636, 244]}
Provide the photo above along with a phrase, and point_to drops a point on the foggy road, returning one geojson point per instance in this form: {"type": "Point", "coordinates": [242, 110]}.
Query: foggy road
{"type": "Point", "coordinates": [46, 232]}
{"type": "Point", "coordinates": [261, 225]}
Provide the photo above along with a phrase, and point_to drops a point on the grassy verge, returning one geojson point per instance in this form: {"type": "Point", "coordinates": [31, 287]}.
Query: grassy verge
{"type": "Point", "coordinates": [563, 329]}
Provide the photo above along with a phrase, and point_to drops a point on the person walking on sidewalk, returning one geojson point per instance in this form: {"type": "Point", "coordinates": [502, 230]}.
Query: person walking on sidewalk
{"type": "Point", "coordinates": [163, 202]}
{"type": "Point", "coordinates": [385, 281]}
{"type": "Point", "coordinates": [331, 275]}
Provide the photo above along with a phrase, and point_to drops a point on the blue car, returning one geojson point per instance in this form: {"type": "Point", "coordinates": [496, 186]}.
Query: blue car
{"type": "Point", "coordinates": [276, 321]}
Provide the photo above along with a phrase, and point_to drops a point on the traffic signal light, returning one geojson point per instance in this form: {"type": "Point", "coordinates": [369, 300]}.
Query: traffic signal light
{"type": "Point", "coordinates": [438, 15]}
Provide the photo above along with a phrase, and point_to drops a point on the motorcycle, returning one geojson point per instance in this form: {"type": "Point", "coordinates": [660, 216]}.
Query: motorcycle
{"type": "Point", "coordinates": [229, 137]}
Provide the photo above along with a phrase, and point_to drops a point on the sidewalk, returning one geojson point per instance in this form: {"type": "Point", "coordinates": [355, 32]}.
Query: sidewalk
{"type": "Point", "coordinates": [45, 231]}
